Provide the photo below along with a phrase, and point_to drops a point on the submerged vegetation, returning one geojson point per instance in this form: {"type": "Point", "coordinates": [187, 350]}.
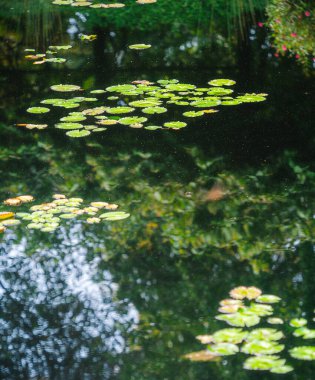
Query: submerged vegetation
{"type": "Point", "coordinates": [154, 98]}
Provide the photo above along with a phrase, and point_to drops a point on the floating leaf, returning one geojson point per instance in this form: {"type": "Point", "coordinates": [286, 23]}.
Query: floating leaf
{"type": "Point", "coordinates": [263, 363]}
{"type": "Point", "coordinates": [119, 110]}
{"type": "Point", "coordinates": [146, 1]}
{"type": "Point", "coordinates": [232, 335]}
{"type": "Point", "coordinates": [251, 98]}
{"type": "Point", "coordinates": [12, 202]}
{"type": "Point", "coordinates": [268, 298]}
{"type": "Point", "coordinates": [298, 322]}
{"type": "Point", "coordinates": [154, 110]}
{"type": "Point", "coordinates": [282, 370]}
{"type": "Point", "coordinates": [201, 356]}
{"type": "Point", "coordinates": [65, 87]}
{"type": "Point", "coordinates": [97, 91]}
{"type": "Point", "coordinates": [303, 352]}
{"type": "Point", "coordinates": [145, 103]}
{"type": "Point", "coordinates": [81, 133]}
{"type": "Point", "coordinates": [73, 118]}
{"type": "Point", "coordinates": [6, 215]}
{"type": "Point", "coordinates": [86, 37]}
{"type": "Point", "coordinates": [121, 88]}
{"type": "Point", "coordinates": [222, 82]}
{"type": "Point", "coordinates": [206, 103]}
{"type": "Point", "coordinates": [139, 46]}
{"type": "Point", "coordinates": [265, 334]}
{"type": "Point", "coordinates": [179, 86]}
{"type": "Point", "coordinates": [258, 309]}
{"type": "Point", "coordinates": [275, 321]}
{"type": "Point", "coordinates": [38, 110]}
{"type": "Point", "coordinates": [69, 126]}
{"type": "Point", "coordinates": [239, 320]}
{"type": "Point", "coordinates": [232, 102]}
{"type": "Point", "coordinates": [205, 339]}
{"type": "Point", "coordinates": [262, 347]}
{"type": "Point", "coordinates": [242, 292]}
{"type": "Point", "coordinates": [223, 349]}
{"type": "Point", "coordinates": [117, 215]}
{"type": "Point", "coordinates": [193, 113]}
{"type": "Point", "coordinates": [132, 120]}
{"type": "Point", "coordinates": [10, 222]}
{"type": "Point", "coordinates": [60, 47]}
{"type": "Point", "coordinates": [305, 333]}
{"type": "Point", "coordinates": [55, 60]}
{"type": "Point", "coordinates": [175, 124]}
{"type": "Point", "coordinates": [94, 111]}
{"type": "Point", "coordinates": [219, 91]}
{"type": "Point", "coordinates": [152, 127]}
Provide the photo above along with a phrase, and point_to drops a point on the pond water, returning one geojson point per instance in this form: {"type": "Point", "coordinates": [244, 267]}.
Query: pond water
{"type": "Point", "coordinates": [226, 201]}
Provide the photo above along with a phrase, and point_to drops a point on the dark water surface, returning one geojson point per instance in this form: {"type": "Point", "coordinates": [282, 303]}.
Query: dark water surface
{"type": "Point", "coordinates": [125, 300]}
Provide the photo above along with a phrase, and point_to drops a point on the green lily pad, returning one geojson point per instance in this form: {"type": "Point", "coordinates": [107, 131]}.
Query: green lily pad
{"type": "Point", "coordinates": [298, 322]}
{"type": "Point", "coordinates": [65, 87]}
{"type": "Point", "coordinates": [205, 103]}
{"type": "Point", "coordinates": [239, 320]}
{"type": "Point", "coordinates": [99, 129]}
{"type": "Point", "coordinates": [175, 124]}
{"type": "Point", "coordinates": [132, 120]}
{"type": "Point", "coordinates": [242, 292]}
{"type": "Point", "coordinates": [154, 110]}
{"type": "Point", "coordinates": [193, 113]}
{"type": "Point", "coordinates": [219, 91]}
{"type": "Point", "coordinates": [152, 127]}
{"type": "Point", "coordinates": [232, 335]}
{"type": "Point", "coordinates": [232, 102]}
{"type": "Point", "coordinates": [121, 88]}
{"type": "Point", "coordinates": [139, 46]}
{"type": "Point", "coordinates": [275, 321]}
{"type": "Point", "coordinates": [180, 87]}
{"type": "Point", "coordinates": [262, 347]}
{"type": "Point", "coordinates": [265, 334]}
{"type": "Point", "coordinates": [38, 110]}
{"type": "Point", "coordinates": [55, 60]}
{"type": "Point", "coordinates": [263, 363]}
{"type": "Point", "coordinates": [259, 309]}
{"type": "Point", "coordinates": [305, 333]}
{"type": "Point", "coordinates": [303, 352]}
{"type": "Point", "coordinates": [119, 110]}
{"type": "Point", "coordinates": [97, 91]}
{"type": "Point", "coordinates": [145, 103]}
{"type": "Point", "coordinates": [223, 349]}
{"type": "Point", "coordinates": [69, 126]}
{"type": "Point", "coordinates": [94, 111]}
{"type": "Point", "coordinates": [281, 370]}
{"type": "Point", "coordinates": [68, 216]}
{"type": "Point", "coordinates": [251, 98]}
{"type": "Point", "coordinates": [268, 298]}
{"type": "Point", "coordinates": [10, 223]}
{"type": "Point", "coordinates": [81, 133]}
{"type": "Point", "coordinates": [60, 47]}
{"type": "Point", "coordinates": [222, 82]}
{"type": "Point", "coordinates": [115, 215]}
{"type": "Point", "coordinates": [73, 118]}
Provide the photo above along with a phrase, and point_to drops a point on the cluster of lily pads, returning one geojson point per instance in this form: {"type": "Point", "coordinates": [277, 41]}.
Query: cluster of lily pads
{"type": "Point", "coordinates": [147, 98]}
{"type": "Point", "coordinates": [48, 56]}
{"type": "Point", "coordinates": [47, 217]}
{"type": "Point", "coordinates": [91, 4]}
{"type": "Point", "coordinates": [262, 344]}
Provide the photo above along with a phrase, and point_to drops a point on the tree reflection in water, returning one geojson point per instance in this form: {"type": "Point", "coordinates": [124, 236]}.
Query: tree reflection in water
{"type": "Point", "coordinates": [58, 311]}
